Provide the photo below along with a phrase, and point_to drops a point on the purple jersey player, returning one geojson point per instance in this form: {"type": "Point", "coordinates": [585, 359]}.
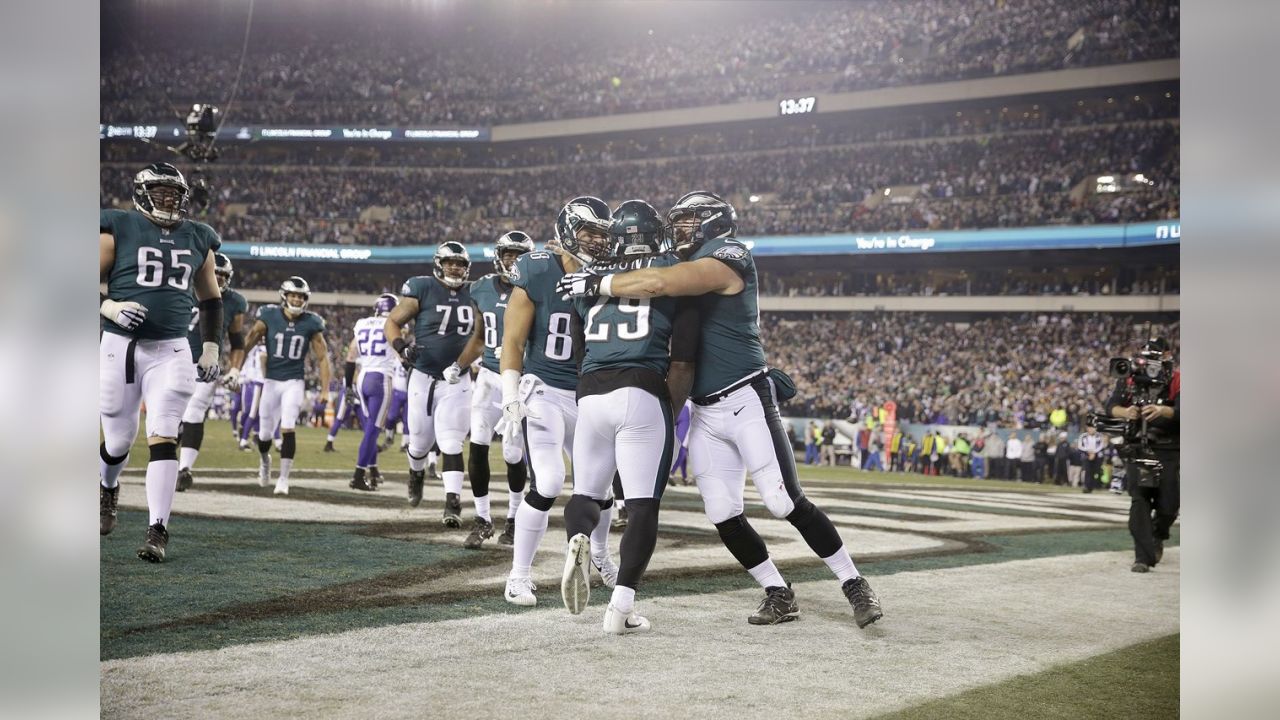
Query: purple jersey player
{"type": "Point", "coordinates": [373, 387]}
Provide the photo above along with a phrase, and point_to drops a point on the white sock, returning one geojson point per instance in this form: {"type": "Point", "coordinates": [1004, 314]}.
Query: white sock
{"type": "Point", "coordinates": [286, 464]}
{"type": "Point", "coordinates": [187, 458]}
{"type": "Point", "coordinates": [513, 503]}
{"type": "Point", "coordinates": [619, 504]}
{"type": "Point", "coordinates": [432, 457]}
{"type": "Point", "coordinates": [624, 599]}
{"type": "Point", "coordinates": [531, 525]}
{"type": "Point", "coordinates": [841, 564]}
{"type": "Point", "coordinates": [482, 508]}
{"type": "Point", "coordinates": [766, 573]}
{"type": "Point", "coordinates": [162, 480]}
{"type": "Point", "coordinates": [600, 534]}
{"type": "Point", "coordinates": [331, 438]}
{"type": "Point", "coordinates": [417, 463]}
{"type": "Point", "coordinates": [111, 473]}
{"type": "Point", "coordinates": [452, 481]}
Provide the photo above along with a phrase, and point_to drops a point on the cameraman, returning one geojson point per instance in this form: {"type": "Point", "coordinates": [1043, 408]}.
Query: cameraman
{"type": "Point", "coordinates": [1151, 492]}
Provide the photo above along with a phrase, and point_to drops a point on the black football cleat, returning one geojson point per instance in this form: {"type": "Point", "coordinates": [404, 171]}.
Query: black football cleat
{"type": "Point", "coordinates": [1140, 567]}
{"type": "Point", "coordinates": [779, 606]}
{"type": "Point", "coordinates": [328, 446]}
{"type": "Point", "coordinates": [481, 531]}
{"type": "Point", "coordinates": [185, 481]}
{"type": "Point", "coordinates": [417, 478]}
{"type": "Point", "coordinates": [508, 536]}
{"type": "Point", "coordinates": [358, 481]}
{"type": "Point", "coordinates": [153, 549]}
{"type": "Point", "coordinates": [375, 478]}
{"type": "Point", "coordinates": [107, 500]}
{"type": "Point", "coordinates": [866, 606]}
{"type": "Point", "coordinates": [452, 511]}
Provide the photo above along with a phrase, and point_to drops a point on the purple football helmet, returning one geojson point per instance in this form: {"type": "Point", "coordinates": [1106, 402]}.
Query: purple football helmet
{"type": "Point", "coordinates": [385, 304]}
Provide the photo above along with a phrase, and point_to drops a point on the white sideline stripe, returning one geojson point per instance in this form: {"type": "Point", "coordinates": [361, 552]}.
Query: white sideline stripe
{"type": "Point", "coordinates": [945, 631]}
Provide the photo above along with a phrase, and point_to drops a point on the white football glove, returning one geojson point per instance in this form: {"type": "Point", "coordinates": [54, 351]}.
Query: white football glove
{"type": "Point", "coordinates": [128, 314]}
{"type": "Point", "coordinates": [231, 380]}
{"type": "Point", "coordinates": [353, 397]}
{"type": "Point", "coordinates": [207, 368]}
{"type": "Point", "coordinates": [579, 284]}
{"type": "Point", "coordinates": [453, 374]}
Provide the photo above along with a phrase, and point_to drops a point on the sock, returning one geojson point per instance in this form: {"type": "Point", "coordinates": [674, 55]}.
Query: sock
{"type": "Point", "coordinates": [624, 599]}
{"type": "Point", "coordinates": [482, 508]}
{"type": "Point", "coordinates": [513, 503]}
{"type": "Point", "coordinates": [286, 464]}
{"type": "Point", "coordinates": [766, 573]}
{"type": "Point", "coordinates": [451, 473]}
{"type": "Point", "coordinates": [187, 457]}
{"type": "Point", "coordinates": [162, 481]}
{"type": "Point", "coordinates": [841, 564]}
{"type": "Point", "coordinates": [110, 467]}
{"type": "Point", "coordinates": [600, 534]}
{"type": "Point", "coordinates": [432, 457]}
{"type": "Point", "coordinates": [531, 525]}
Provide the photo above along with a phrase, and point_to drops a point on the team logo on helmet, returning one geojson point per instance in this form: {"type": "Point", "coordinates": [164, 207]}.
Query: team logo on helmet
{"type": "Point", "coordinates": [452, 264]}
{"type": "Point", "coordinates": [511, 245]}
{"type": "Point", "coordinates": [294, 286]}
{"type": "Point", "coordinates": [161, 193]}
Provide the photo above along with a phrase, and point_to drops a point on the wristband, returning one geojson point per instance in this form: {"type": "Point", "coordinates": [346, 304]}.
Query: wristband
{"type": "Point", "coordinates": [510, 386]}
{"type": "Point", "coordinates": [606, 286]}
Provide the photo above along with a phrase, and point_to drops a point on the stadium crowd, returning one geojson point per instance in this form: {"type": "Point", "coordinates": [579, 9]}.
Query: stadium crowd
{"type": "Point", "coordinates": [1009, 371]}
{"type": "Point", "coordinates": [471, 69]}
{"type": "Point", "coordinates": [999, 181]}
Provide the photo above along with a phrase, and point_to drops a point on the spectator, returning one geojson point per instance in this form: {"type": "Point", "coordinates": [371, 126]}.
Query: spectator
{"type": "Point", "coordinates": [1091, 445]}
{"type": "Point", "coordinates": [829, 444]}
{"type": "Point", "coordinates": [1013, 456]}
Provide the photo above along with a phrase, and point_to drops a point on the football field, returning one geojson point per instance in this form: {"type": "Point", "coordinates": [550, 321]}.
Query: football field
{"type": "Point", "coordinates": [1001, 601]}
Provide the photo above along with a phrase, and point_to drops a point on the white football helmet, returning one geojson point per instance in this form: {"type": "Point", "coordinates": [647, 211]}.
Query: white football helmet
{"type": "Point", "coordinates": [294, 286]}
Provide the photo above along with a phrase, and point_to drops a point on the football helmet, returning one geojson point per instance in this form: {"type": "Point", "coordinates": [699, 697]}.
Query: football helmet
{"type": "Point", "coordinates": [223, 271]}
{"type": "Point", "coordinates": [294, 285]}
{"type": "Point", "coordinates": [636, 231]}
{"type": "Point", "coordinates": [713, 218]}
{"type": "Point", "coordinates": [385, 303]}
{"type": "Point", "coordinates": [584, 213]}
{"type": "Point", "coordinates": [161, 193]}
{"type": "Point", "coordinates": [514, 241]}
{"type": "Point", "coordinates": [451, 250]}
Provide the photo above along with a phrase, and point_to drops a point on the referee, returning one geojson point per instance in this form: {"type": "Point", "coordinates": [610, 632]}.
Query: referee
{"type": "Point", "coordinates": [1091, 445]}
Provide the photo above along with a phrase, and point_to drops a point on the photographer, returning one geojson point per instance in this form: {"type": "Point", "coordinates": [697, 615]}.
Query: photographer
{"type": "Point", "coordinates": [1153, 402]}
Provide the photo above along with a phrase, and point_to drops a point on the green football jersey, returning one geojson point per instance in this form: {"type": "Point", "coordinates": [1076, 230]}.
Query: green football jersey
{"type": "Point", "coordinates": [548, 353]}
{"type": "Point", "coordinates": [446, 318]}
{"type": "Point", "coordinates": [233, 303]}
{"type": "Point", "coordinates": [729, 346]}
{"type": "Point", "coordinates": [287, 341]}
{"type": "Point", "coordinates": [626, 332]}
{"type": "Point", "coordinates": [490, 294]}
{"type": "Point", "coordinates": [156, 266]}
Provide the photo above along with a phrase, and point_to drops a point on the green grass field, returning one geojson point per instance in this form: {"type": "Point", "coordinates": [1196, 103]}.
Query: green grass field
{"type": "Point", "coordinates": [1002, 600]}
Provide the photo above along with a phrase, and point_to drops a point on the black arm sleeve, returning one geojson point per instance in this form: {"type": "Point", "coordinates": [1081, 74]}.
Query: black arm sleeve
{"type": "Point", "coordinates": [578, 335]}
{"type": "Point", "coordinates": [349, 373]}
{"type": "Point", "coordinates": [211, 320]}
{"type": "Point", "coordinates": [685, 330]}
{"type": "Point", "coordinates": [236, 338]}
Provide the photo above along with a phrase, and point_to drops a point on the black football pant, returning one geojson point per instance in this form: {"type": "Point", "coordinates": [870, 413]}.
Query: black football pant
{"type": "Point", "coordinates": [1152, 510]}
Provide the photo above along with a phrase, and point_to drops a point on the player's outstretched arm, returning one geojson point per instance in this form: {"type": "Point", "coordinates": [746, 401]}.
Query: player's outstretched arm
{"type": "Point", "coordinates": [235, 337]}
{"type": "Point", "coordinates": [256, 333]}
{"type": "Point", "coordinates": [699, 277]}
{"type": "Point", "coordinates": [473, 349]}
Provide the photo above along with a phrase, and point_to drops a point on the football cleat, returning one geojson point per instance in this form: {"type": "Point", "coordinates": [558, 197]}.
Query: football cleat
{"type": "Point", "coordinates": [244, 445]}
{"type": "Point", "coordinates": [866, 606]}
{"type": "Point", "coordinates": [620, 518]}
{"type": "Point", "coordinates": [153, 549]}
{"type": "Point", "coordinates": [375, 478]}
{"type": "Point", "coordinates": [107, 501]}
{"type": "Point", "coordinates": [1140, 567]}
{"type": "Point", "coordinates": [608, 571]}
{"type": "Point", "coordinates": [520, 592]}
{"type": "Point", "coordinates": [778, 606]}
{"type": "Point", "coordinates": [358, 481]}
{"type": "Point", "coordinates": [575, 587]}
{"type": "Point", "coordinates": [185, 480]}
{"type": "Point", "coordinates": [264, 471]}
{"type": "Point", "coordinates": [481, 531]}
{"type": "Point", "coordinates": [431, 471]}
{"type": "Point", "coordinates": [416, 480]}
{"type": "Point", "coordinates": [452, 511]}
{"type": "Point", "coordinates": [328, 446]}
{"type": "Point", "coordinates": [617, 622]}
{"type": "Point", "coordinates": [282, 487]}
{"type": "Point", "coordinates": [508, 536]}
{"type": "Point", "coordinates": [1159, 551]}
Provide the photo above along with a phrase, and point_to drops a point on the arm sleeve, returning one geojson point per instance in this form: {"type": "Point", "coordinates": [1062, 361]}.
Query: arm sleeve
{"type": "Point", "coordinates": [578, 337]}
{"type": "Point", "coordinates": [211, 320]}
{"type": "Point", "coordinates": [685, 331]}
{"type": "Point", "coordinates": [349, 373]}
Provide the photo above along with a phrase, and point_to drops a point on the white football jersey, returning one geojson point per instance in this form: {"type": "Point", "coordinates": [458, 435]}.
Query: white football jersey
{"type": "Point", "coordinates": [252, 369]}
{"type": "Point", "coordinates": [371, 343]}
{"type": "Point", "coordinates": [400, 378]}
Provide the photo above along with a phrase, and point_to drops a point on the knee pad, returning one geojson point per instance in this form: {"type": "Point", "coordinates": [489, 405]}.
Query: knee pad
{"type": "Point", "coordinates": [539, 502]}
{"type": "Point", "coordinates": [512, 453]}
{"type": "Point", "coordinates": [780, 504]}
{"type": "Point", "coordinates": [264, 446]}
{"type": "Point", "coordinates": [164, 451]}
{"type": "Point", "coordinates": [451, 462]}
{"type": "Point", "coordinates": [192, 435]}
{"type": "Point", "coordinates": [110, 459]}
{"type": "Point", "coordinates": [742, 541]}
{"type": "Point", "coordinates": [288, 445]}
{"type": "Point", "coordinates": [450, 446]}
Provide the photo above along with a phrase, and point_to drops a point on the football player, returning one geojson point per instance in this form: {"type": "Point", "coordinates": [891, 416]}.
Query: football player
{"type": "Point", "coordinates": [233, 309]}
{"type": "Point", "coordinates": [399, 402]}
{"type": "Point", "coordinates": [158, 267]}
{"type": "Point", "coordinates": [736, 427]}
{"type": "Point", "coordinates": [251, 374]}
{"type": "Point", "coordinates": [539, 382]}
{"type": "Point", "coordinates": [624, 413]}
{"type": "Point", "coordinates": [372, 390]}
{"type": "Point", "coordinates": [490, 294]}
{"type": "Point", "coordinates": [444, 318]}
{"type": "Point", "coordinates": [288, 330]}
{"type": "Point", "coordinates": [347, 404]}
